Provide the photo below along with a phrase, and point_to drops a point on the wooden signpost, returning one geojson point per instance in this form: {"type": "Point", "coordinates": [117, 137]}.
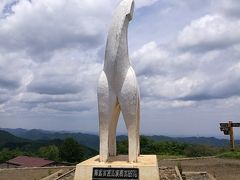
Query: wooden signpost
{"type": "Point", "coordinates": [227, 129]}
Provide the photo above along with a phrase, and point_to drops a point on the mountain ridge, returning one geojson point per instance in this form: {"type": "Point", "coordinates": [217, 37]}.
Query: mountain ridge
{"type": "Point", "coordinates": [92, 141]}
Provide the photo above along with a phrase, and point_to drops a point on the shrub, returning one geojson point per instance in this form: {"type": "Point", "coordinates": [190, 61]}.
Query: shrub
{"type": "Point", "coordinates": [200, 150]}
{"type": "Point", "coordinates": [49, 152]}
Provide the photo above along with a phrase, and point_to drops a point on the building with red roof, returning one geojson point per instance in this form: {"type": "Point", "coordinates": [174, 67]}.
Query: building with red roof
{"type": "Point", "coordinates": [26, 161]}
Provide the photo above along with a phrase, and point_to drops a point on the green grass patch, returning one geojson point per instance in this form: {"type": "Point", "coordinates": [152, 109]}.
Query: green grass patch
{"type": "Point", "coordinates": [230, 155]}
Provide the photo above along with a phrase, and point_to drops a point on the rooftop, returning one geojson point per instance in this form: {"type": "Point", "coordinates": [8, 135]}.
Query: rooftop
{"type": "Point", "coordinates": [26, 161]}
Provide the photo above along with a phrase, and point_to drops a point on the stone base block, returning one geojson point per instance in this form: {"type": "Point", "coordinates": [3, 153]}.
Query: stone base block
{"type": "Point", "coordinates": [147, 166]}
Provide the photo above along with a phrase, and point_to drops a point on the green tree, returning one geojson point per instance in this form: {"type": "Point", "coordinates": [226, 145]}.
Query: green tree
{"type": "Point", "coordinates": [71, 151]}
{"type": "Point", "coordinates": [122, 147]}
{"type": "Point", "coordinates": [49, 152]}
{"type": "Point", "coordinates": [6, 154]}
{"type": "Point", "coordinates": [150, 146]}
{"type": "Point", "coordinates": [147, 145]}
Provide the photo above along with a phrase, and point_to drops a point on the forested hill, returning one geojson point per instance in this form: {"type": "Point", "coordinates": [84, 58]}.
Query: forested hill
{"type": "Point", "coordinates": [6, 137]}
{"type": "Point", "coordinates": [66, 149]}
{"type": "Point", "coordinates": [92, 141]}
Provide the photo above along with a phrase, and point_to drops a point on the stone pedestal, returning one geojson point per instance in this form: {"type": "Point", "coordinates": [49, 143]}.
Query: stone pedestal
{"type": "Point", "coordinates": [147, 166]}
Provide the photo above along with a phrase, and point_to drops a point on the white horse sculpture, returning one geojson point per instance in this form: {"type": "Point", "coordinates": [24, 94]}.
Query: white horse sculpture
{"type": "Point", "coordinates": [118, 88]}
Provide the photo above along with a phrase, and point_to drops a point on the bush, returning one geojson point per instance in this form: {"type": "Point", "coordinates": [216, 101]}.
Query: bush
{"type": "Point", "coordinates": [49, 152]}
{"type": "Point", "coordinates": [200, 150]}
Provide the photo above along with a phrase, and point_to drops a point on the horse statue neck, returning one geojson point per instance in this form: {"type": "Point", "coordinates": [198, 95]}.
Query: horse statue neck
{"type": "Point", "coordinates": [116, 54]}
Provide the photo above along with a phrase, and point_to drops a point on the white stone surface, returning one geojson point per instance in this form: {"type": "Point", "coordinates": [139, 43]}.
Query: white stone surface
{"type": "Point", "coordinates": [147, 165]}
{"type": "Point", "coordinates": [118, 88]}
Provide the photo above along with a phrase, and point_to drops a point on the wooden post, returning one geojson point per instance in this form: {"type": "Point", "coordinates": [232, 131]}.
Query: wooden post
{"type": "Point", "coordinates": [232, 145]}
{"type": "Point", "coordinates": [227, 129]}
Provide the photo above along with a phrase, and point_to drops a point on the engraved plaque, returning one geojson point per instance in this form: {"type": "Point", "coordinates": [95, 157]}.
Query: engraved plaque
{"type": "Point", "coordinates": [115, 173]}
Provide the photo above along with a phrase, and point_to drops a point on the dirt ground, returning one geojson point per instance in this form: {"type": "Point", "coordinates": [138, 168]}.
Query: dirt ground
{"type": "Point", "coordinates": [28, 173]}
{"type": "Point", "coordinates": [221, 169]}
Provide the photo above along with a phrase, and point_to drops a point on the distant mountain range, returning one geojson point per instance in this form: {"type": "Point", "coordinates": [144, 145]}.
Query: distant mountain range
{"type": "Point", "coordinates": [11, 139]}
{"type": "Point", "coordinates": [88, 140]}
{"type": "Point", "coordinates": [6, 137]}
{"type": "Point", "coordinates": [92, 141]}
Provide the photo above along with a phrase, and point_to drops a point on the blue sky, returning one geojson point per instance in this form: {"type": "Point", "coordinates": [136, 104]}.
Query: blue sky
{"type": "Point", "coordinates": [186, 55]}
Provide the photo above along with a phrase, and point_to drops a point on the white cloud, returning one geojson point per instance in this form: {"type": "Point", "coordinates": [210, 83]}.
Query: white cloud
{"type": "Point", "coordinates": [40, 27]}
{"type": "Point", "coordinates": [15, 74]}
{"type": "Point", "coordinates": [68, 78]}
{"type": "Point", "coordinates": [49, 53]}
{"type": "Point", "coordinates": [150, 59]}
{"type": "Point", "coordinates": [159, 75]}
{"type": "Point", "coordinates": [172, 75]}
{"type": "Point", "coordinates": [210, 32]}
